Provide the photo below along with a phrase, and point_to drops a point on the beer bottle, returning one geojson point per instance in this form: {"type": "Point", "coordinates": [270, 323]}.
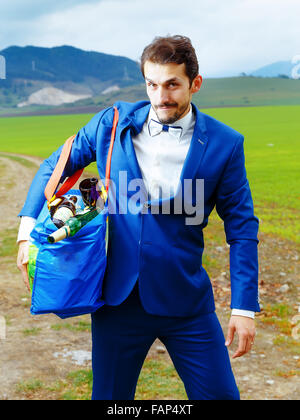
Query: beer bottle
{"type": "Point", "coordinates": [89, 192]}
{"type": "Point", "coordinates": [64, 211]}
{"type": "Point", "coordinates": [73, 225]}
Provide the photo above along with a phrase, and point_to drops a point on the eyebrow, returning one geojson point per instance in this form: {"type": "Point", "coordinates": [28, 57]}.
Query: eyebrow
{"type": "Point", "coordinates": [173, 79]}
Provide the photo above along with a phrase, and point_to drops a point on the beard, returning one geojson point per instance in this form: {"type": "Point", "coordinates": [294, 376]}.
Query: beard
{"type": "Point", "coordinates": [178, 112]}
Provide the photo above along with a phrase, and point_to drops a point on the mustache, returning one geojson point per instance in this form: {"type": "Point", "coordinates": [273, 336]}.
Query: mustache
{"type": "Point", "coordinates": [166, 105]}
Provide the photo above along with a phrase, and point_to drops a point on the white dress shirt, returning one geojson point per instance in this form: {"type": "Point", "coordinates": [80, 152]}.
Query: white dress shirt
{"type": "Point", "coordinates": [161, 160]}
{"type": "Point", "coordinates": [162, 156]}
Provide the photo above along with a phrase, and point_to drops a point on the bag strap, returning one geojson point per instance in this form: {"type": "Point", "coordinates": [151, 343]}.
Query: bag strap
{"type": "Point", "coordinates": [62, 161]}
{"type": "Point", "coordinates": [108, 161]}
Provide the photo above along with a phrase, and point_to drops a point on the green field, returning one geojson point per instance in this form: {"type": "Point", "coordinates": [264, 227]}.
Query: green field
{"type": "Point", "coordinates": [226, 91]}
{"type": "Point", "coordinates": [272, 144]}
{"type": "Point", "coordinates": [215, 92]}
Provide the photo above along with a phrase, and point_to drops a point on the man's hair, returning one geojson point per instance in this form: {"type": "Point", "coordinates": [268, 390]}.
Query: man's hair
{"type": "Point", "coordinates": [172, 49]}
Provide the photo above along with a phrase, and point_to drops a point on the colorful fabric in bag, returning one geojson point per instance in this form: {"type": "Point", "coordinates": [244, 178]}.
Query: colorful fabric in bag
{"type": "Point", "coordinates": [66, 277]}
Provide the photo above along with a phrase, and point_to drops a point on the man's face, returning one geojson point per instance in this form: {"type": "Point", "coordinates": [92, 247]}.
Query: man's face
{"type": "Point", "coordinates": [169, 90]}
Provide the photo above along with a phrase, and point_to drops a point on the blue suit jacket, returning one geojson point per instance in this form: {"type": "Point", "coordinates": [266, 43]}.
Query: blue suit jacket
{"type": "Point", "coordinates": [162, 250]}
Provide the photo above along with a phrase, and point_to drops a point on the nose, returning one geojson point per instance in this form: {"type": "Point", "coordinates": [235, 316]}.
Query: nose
{"type": "Point", "coordinates": [163, 96]}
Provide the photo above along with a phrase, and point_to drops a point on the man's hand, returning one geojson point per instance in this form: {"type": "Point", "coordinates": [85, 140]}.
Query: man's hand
{"type": "Point", "coordinates": [22, 261]}
{"type": "Point", "coordinates": [245, 328]}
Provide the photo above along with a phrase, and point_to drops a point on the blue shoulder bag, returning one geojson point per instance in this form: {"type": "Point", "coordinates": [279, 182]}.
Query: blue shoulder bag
{"type": "Point", "coordinates": [67, 276]}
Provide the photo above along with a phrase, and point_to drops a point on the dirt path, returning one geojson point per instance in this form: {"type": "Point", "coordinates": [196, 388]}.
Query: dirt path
{"type": "Point", "coordinates": [47, 348]}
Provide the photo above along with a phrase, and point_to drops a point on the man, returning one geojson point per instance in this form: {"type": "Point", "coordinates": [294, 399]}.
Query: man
{"type": "Point", "coordinates": [155, 285]}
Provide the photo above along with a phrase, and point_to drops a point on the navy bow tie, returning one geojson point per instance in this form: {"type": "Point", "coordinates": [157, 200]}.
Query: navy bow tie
{"type": "Point", "coordinates": [156, 128]}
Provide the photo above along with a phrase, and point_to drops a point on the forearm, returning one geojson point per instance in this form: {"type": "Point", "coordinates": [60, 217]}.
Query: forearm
{"type": "Point", "coordinates": [235, 206]}
{"type": "Point", "coordinates": [242, 312]}
{"type": "Point", "coordinates": [244, 275]}
{"type": "Point", "coordinates": [26, 225]}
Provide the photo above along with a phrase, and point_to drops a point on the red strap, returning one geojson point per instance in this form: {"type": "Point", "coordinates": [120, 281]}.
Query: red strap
{"type": "Point", "coordinates": [68, 184]}
{"type": "Point", "coordinates": [112, 138]}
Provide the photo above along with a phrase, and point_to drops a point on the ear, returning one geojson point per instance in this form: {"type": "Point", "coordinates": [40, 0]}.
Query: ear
{"type": "Point", "coordinates": [196, 85]}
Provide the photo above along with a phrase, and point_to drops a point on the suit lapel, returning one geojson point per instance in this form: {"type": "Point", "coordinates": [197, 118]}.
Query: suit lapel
{"type": "Point", "coordinates": [197, 148]}
{"type": "Point", "coordinates": [132, 125]}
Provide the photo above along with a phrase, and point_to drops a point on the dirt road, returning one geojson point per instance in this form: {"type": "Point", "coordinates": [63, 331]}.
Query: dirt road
{"type": "Point", "coordinates": [46, 348]}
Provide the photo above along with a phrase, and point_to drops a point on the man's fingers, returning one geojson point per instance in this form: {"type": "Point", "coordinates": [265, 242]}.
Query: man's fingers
{"type": "Point", "coordinates": [22, 262]}
{"type": "Point", "coordinates": [24, 273]}
{"type": "Point", "coordinates": [245, 329]}
{"type": "Point", "coordinates": [26, 279]}
{"type": "Point", "coordinates": [246, 341]}
{"type": "Point", "coordinates": [241, 349]}
{"type": "Point", "coordinates": [230, 335]}
{"type": "Point", "coordinates": [25, 259]}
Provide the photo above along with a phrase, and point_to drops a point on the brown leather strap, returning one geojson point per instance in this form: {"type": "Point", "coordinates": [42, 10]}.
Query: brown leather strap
{"type": "Point", "coordinates": [59, 168]}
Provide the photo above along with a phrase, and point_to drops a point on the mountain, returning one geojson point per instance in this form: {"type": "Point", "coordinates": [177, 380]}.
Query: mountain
{"type": "Point", "coordinates": [280, 68]}
{"type": "Point", "coordinates": [67, 69]}
{"type": "Point", "coordinates": [68, 64]}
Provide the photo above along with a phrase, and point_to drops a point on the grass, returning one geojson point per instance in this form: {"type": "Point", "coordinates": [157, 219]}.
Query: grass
{"type": "Point", "coordinates": [31, 386]}
{"type": "Point", "coordinates": [32, 331]}
{"type": "Point", "coordinates": [40, 136]}
{"type": "Point", "coordinates": [76, 326]}
{"type": "Point", "coordinates": [8, 245]}
{"type": "Point", "coordinates": [158, 380]}
{"type": "Point", "coordinates": [246, 91]}
{"type": "Point", "coordinates": [272, 161]}
{"type": "Point", "coordinates": [78, 385]}
{"type": "Point", "coordinates": [227, 91]}
{"type": "Point", "coordinates": [280, 317]}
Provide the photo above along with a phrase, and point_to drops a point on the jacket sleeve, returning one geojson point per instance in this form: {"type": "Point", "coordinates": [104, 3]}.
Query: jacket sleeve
{"type": "Point", "coordinates": [235, 206]}
{"type": "Point", "coordinates": [82, 154]}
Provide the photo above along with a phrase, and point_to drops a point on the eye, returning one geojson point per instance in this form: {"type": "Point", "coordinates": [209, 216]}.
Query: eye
{"type": "Point", "coordinates": [151, 84]}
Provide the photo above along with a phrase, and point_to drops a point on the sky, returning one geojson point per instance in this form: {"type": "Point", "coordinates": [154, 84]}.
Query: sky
{"type": "Point", "coordinates": [230, 36]}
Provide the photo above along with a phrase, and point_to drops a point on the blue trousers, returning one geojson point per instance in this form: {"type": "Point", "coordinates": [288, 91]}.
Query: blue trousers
{"type": "Point", "coordinates": [122, 336]}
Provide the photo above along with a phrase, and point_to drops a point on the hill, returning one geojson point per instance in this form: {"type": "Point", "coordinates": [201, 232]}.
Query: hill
{"type": "Point", "coordinates": [68, 69]}
{"type": "Point", "coordinates": [248, 91]}
{"type": "Point", "coordinates": [219, 92]}
{"type": "Point", "coordinates": [275, 69]}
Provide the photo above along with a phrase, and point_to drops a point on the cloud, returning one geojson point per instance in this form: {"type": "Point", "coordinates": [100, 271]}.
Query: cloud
{"type": "Point", "coordinates": [229, 37]}
{"type": "Point", "coordinates": [19, 10]}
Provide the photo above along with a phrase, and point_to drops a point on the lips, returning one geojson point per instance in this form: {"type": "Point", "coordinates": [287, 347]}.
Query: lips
{"type": "Point", "coordinates": [167, 106]}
